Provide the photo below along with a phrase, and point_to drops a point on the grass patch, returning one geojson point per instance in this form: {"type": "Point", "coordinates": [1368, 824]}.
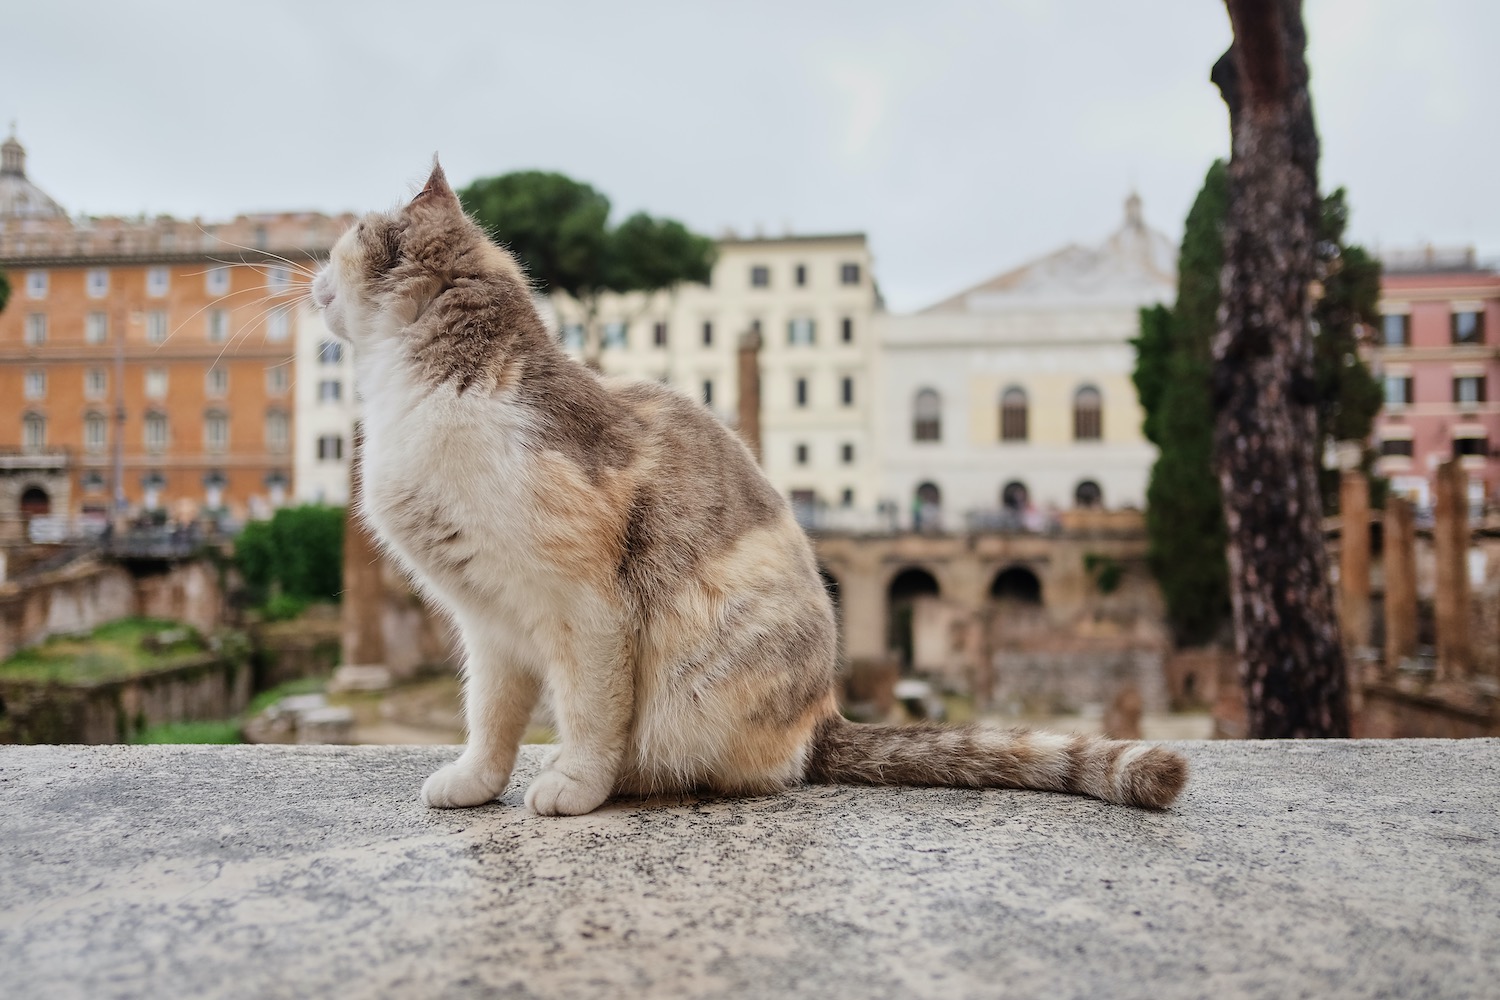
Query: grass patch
{"type": "Point", "coordinates": [118, 649]}
{"type": "Point", "coordinates": [226, 731]}
{"type": "Point", "coordinates": [269, 697]}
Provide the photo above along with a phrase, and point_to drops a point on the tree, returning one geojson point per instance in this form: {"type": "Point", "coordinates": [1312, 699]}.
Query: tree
{"type": "Point", "coordinates": [1184, 511]}
{"type": "Point", "coordinates": [1265, 384]}
{"type": "Point", "coordinates": [298, 554]}
{"type": "Point", "coordinates": [559, 229]}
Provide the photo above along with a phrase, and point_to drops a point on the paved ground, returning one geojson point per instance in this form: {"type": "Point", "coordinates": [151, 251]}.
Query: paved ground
{"type": "Point", "coordinates": [1317, 870]}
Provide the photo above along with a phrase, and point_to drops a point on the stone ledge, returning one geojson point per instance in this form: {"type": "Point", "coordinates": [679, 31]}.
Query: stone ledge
{"type": "Point", "coordinates": [1293, 869]}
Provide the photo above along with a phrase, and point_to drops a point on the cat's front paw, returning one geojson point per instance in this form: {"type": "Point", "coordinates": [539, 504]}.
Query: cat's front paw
{"type": "Point", "coordinates": [553, 793]}
{"type": "Point", "coordinates": [456, 786]}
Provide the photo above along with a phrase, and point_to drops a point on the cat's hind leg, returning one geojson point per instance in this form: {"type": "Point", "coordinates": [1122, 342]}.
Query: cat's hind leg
{"type": "Point", "coordinates": [497, 707]}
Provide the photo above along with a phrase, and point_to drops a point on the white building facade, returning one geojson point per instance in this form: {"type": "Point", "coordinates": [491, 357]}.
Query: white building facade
{"type": "Point", "coordinates": [1014, 398]}
{"type": "Point", "coordinates": [323, 390]}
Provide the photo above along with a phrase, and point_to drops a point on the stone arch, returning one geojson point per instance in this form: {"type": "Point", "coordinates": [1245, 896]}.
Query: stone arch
{"type": "Point", "coordinates": [1017, 583]}
{"type": "Point", "coordinates": [1014, 496]}
{"type": "Point", "coordinates": [35, 502]}
{"type": "Point", "coordinates": [902, 593]}
{"type": "Point", "coordinates": [1088, 494]}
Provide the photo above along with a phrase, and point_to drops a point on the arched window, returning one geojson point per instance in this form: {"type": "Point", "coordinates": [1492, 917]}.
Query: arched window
{"type": "Point", "coordinates": [1088, 494]}
{"type": "Point", "coordinates": [927, 508]}
{"type": "Point", "coordinates": [1015, 496]}
{"type": "Point", "coordinates": [927, 416]}
{"type": "Point", "coordinates": [1013, 414]}
{"type": "Point", "coordinates": [1088, 414]}
{"type": "Point", "coordinates": [34, 432]}
{"type": "Point", "coordinates": [35, 502]}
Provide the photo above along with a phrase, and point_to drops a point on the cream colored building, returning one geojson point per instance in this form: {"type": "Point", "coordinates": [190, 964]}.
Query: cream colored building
{"type": "Point", "coordinates": [323, 387]}
{"type": "Point", "coordinates": [1014, 397]}
{"type": "Point", "coordinates": [814, 301]}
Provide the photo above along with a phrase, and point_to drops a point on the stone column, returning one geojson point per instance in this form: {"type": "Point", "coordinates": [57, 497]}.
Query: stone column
{"type": "Point", "coordinates": [364, 592]}
{"type": "Point", "coordinates": [749, 391]}
{"type": "Point", "coordinates": [1450, 544]}
{"type": "Point", "coordinates": [1399, 548]}
{"type": "Point", "coordinates": [1354, 560]}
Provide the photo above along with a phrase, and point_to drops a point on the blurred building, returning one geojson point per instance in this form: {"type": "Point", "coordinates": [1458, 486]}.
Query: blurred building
{"type": "Point", "coordinates": [326, 411]}
{"type": "Point", "coordinates": [1015, 396]}
{"type": "Point", "coordinates": [813, 300]}
{"type": "Point", "coordinates": [1438, 352]}
{"type": "Point", "coordinates": [155, 354]}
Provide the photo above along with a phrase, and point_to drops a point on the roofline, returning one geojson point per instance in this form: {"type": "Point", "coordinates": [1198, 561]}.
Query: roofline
{"type": "Point", "coordinates": [793, 238]}
{"type": "Point", "coordinates": [240, 256]}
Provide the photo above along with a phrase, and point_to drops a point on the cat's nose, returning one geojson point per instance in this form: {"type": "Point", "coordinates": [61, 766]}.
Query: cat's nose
{"type": "Point", "coordinates": [322, 293]}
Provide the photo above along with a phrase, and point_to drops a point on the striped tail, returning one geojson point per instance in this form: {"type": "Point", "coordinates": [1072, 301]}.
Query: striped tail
{"type": "Point", "coordinates": [978, 756]}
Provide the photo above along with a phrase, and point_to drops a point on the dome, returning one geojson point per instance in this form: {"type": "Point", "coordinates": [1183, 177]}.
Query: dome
{"type": "Point", "coordinates": [19, 198]}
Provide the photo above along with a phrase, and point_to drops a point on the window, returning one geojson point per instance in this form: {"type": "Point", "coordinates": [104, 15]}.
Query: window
{"type": "Point", "coordinates": [1468, 389]}
{"type": "Point", "coordinates": [330, 448]}
{"type": "Point", "coordinates": [330, 352]}
{"type": "Point", "coordinates": [36, 284]}
{"type": "Point", "coordinates": [92, 482]}
{"type": "Point", "coordinates": [330, 390]}
{"type": "Point", "coordinates": [36, 384]}
{"type": "Point", "coordinates": [1400, 447]}
{"type": "Point", "coordinates": [846, 390]}
{"type": "Point", "coordinates": [218, 325]}
{"type": "Point", "coordinates": [800, 391]}
{"type": "Point", "coordinates": [659, 335]}
{"type": "Point", "coordinates": [571, 336]}
{"type": "Point", "coordinates": [156, 383]}
{"type": "Point", "coordinates": [216, 281]}
{"type": "Point", "coordinates": [1471, 446]}
{"type": "Point", "coordinates": [760, 276]}
{"type": "Point", "coordinates": [708, 392]}
{"type": "Point", "coordinates": [1013, 415]}
{"type": "Point", "coordinates": [33, 432]}
{"type": "Point", "coordinates": [276, 380]}
{"type": "Point", "coordinates": [95, 383]}
{"type": "Point", "coordinates": [801, 275]}
{"type": "Point", "coordinates": [156, 432]}
{"type": "Point", "coordinates": [847, 498]}
{"type": "Point", "coordinates": [1468, 327]}
{"type": "Point", "coordinates": [217, 381]}
{"type": "Point", "coordinates": [95, 328]}
{"type": "Point", "coordinates": [927, 416]}
{"type": "Point", "coordinates": [156, 326]}
{"type": "Point", "coordinates": [278, 325]}
{"type": "Point", "coordinates": [95, 432]}
{"type": "Point", "coordinates": [1398, 390]}
{"type": "Point", "coordinates": [278, 278]}
{"type": "Point", "coordinates": [800, 331]}
{"type": "Point", "coordinates": [97, 283]}
{"type": "Point", "coordinates": [1088, 494]}
{"type": "Point", "coordinates": [708, 333]}
{"type": "Point", "coordinates": [36, 329]}
{"type": "Point", "coordinates": [846, 330]}
{"type": "Point", "coordinates": [616, 334]}
{"type": "Point", "coordinates": [1088, 415]}
{"type": "Point", "coordinates": [215, 430]}
{"type": "Point", "coordinates": [849, 274]}
{"type": "Point", "coordinates": [278, 428]}
{"type": "Point", "coordinates": [846, 453]}
{"type": "Point", "coordinates": [158, 280]}
{"type": "Point", "coordinates": [1395, 330]}
{"type": "Point", "coordinates": [261, 240]}
{"type": "Point", "coordinates": [802, 454]}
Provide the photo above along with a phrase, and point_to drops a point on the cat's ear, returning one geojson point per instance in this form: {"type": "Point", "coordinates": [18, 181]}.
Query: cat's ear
{"type": "Point", "coordinates": [436, 191]}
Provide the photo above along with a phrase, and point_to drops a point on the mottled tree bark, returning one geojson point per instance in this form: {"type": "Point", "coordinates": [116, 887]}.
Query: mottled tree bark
{"type": "Point", "coordinates": [1266, 440]}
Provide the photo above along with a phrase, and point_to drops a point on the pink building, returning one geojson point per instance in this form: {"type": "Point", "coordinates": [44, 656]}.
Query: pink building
{"type": "Point", "coordinates": [1438, 352]}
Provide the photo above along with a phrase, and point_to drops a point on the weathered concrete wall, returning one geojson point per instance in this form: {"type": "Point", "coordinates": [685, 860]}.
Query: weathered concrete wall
{"type": "Point", "coordinates": [289, 651]}
{"type": "Point", "coordinates": [114, 711]}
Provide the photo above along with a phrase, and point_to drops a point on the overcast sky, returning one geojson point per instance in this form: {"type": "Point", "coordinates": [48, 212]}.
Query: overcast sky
{"type": "Point", "coordinates": [964, 138]}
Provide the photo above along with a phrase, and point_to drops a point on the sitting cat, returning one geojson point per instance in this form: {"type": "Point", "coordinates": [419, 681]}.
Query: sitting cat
{"type": "Point", "coordinates": [612, 544]}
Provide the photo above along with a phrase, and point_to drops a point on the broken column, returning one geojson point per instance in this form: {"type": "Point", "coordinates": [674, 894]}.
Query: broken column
{"type": "Point", "coordinates": [1450, 544]}
{"type": "Point", "coordinates": [1354, 560]}
{"type": "Point", "coordinates": [749, 390]}
{"type": "Point", "coordinates": [1399, 547]}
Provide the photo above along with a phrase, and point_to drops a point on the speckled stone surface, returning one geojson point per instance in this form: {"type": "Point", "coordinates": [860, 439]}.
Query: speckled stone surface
{"type": "Point", "coordinates": [1287, 870]}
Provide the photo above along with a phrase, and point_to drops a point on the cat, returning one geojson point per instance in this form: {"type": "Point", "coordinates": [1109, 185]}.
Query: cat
{"type": "Point", "coordinates": [612, 545]}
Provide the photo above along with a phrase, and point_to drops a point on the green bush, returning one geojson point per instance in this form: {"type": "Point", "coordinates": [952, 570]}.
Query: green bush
{"type": "Point", "coordinates": [298, 554]}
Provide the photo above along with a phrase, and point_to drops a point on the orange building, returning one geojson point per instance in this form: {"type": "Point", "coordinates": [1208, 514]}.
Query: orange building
{"type": "Point", "coordinates": [156, 354]}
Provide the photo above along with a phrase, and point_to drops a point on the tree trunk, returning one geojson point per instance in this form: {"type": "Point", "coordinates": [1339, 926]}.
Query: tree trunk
{"type": "Point", "coordinates": [1266, 441]}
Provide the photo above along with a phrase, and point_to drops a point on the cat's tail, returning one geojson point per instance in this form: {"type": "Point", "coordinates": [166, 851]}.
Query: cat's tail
{"type": "Point", "coordinates": [979, 756]}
